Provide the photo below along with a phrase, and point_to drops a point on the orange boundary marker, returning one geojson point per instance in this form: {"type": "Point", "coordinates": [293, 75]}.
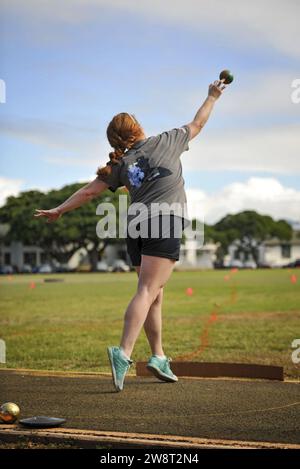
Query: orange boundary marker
{"type": "Point", "coordinates": [90, 438]}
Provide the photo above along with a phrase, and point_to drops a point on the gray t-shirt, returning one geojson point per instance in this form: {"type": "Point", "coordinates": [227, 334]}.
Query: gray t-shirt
{"type": "Point", "coordinates": [152, 172]}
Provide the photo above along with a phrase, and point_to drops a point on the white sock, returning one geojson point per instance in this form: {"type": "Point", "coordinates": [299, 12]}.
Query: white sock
{"type": "Point", "coordinates": [160, 356]}
{"type": "Point", "coordinates": [124, 354]}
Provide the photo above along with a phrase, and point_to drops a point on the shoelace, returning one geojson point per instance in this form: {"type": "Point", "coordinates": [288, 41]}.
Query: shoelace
{"type": "Point", "coordinates": [123, 365]}
{"type": "Point", "coordinates": [168, 360]}
{"type": "Point", "coordinates": [128, 364]}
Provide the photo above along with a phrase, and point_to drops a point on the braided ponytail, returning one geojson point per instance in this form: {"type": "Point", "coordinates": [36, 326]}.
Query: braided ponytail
{"type": "Point", "coordinates": [122, 132]}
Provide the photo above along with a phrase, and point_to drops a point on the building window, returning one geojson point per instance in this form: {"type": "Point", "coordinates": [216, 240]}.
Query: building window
{"type": "Point", "coordinates": [236, 255]}
{"type": "Point", "coordinates": [122, 255]}
{"type": "Point", "coordinates": [286, 250]}
{"type": "Point", "coordinates": [30, 258]}
{"type": "Point", "coordinates": [7, 258]}
{"type": "Point", "coordinates": [44, 258]}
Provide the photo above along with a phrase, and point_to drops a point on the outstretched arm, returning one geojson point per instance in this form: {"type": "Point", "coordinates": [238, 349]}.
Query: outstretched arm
{"type": "Point", "coordinates": [214, 92]}
{"type": "Point", "coordinates": [80, 197]}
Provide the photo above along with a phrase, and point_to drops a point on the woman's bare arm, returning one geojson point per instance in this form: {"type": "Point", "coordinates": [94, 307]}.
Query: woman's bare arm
{"type": "Point", "coordinates": [214, 92]}
{"type": "Point", "coordinates": [80, 197]}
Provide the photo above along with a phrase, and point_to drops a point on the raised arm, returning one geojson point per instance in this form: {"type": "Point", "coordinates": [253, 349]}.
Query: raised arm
{"type": "Point", "coordinates": [214, 92]}
{"type": "Point", "coordinates": [80, 197]}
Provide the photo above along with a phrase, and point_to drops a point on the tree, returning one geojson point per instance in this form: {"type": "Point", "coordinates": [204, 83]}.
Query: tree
{"type": "Point", "coordinates": [249, 230]}
{"type": "Point", "coordinates": [60, 240]}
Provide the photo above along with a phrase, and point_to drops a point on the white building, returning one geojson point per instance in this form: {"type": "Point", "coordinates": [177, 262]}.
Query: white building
{"type": "Point", "coordinates": [277, 253]}
{"type": "Point", "coordinates": [111, 253]}
{"type": "Point", "coordinates": [272, 253]}
{"type": "Point", "coordinates": [194, 255]}
{"type": "Point", "coordinates": [18, 255]}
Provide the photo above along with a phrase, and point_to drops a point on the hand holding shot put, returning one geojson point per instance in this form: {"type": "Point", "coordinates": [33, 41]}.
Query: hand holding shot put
{"type": "Point", "coordinates": [216, 88]}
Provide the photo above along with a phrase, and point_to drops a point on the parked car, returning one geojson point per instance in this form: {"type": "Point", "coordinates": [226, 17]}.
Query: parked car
{"type": "Point", "coordinates": [120, 266]}
{"type": "Point", "coordinates": [236, 264]}
{"type": "Point", "coordinates": [83, 268]}
{"type": "Point", "coordinates": [219, 265]}
{"type": "Point", "coordinates": [26, 269]}
{"type": "Point", "coordinates": [62, 268]}
{"type": "Point", "coordinates": [294, 264]}
{"type": "Point", "coordinates": [102, 267]}
{"type": "Point", "coordinates": [250, 264]}
{"type": "Point", "coordinates": [45, 269]}
{"type": "Point", "coordinates": [264, 266]}
{"type": "Point", "coordinates": [6, 270]}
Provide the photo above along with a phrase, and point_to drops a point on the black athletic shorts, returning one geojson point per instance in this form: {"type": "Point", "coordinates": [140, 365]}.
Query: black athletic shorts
{"type": "Point", "coordinates": [166, 242]}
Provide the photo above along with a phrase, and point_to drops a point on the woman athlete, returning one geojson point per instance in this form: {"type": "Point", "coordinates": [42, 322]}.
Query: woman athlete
{"type": "Point", "coordinates": [151, 170]}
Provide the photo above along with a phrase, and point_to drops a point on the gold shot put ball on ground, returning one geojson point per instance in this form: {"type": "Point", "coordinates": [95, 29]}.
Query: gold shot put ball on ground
{"type": "Point", "coordinates": [9, 412]}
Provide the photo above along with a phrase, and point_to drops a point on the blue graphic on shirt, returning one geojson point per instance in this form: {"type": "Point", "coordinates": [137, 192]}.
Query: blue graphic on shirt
{"type": "Point", "coordinates": [135, 175]}
{"type": "Point", "coordinates": [140, 172]}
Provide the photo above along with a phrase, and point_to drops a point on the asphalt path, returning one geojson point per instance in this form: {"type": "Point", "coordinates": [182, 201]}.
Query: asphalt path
{"type": "Point", "coordinates": [207, 408]}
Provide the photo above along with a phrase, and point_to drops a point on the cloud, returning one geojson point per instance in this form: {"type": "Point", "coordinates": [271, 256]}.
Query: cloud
{"type": "Point", "coordinates": [63, 144]}
{"type": "Point", "coordinates": [52, 134]}
{"type": "Point", "coordinates": [264, 195]}
{"type": "Point", "coordinates": [271, 23]}
{"type": "Point", "coordinates": [274, 149]}
{"type": "Point", "coordinates": [9, 187]}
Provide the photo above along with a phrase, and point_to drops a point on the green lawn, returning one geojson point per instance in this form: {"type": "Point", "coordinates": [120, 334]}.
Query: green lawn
{"type": "Point", "coordinates": [67, 326]}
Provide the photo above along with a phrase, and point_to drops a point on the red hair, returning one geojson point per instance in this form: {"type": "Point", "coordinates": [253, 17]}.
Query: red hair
{"type": "Point", "coordinates": [122, 132]}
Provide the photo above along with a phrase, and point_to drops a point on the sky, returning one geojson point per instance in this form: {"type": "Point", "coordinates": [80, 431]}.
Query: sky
{"type": "Point", "coordinates": [70, 65]}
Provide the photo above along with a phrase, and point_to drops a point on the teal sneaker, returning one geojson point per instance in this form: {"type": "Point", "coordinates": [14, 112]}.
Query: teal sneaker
{"type": "Point", "coordinates": [119, 366]}
{"type": "Point", "coordinates": [161, 369]}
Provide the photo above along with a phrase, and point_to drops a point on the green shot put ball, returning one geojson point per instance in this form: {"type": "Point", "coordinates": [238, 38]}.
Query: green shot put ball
{"type": "Point", "coordinates": [227, 76]}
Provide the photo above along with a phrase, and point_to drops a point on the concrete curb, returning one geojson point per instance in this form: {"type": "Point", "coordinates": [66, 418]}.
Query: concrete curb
{"type": "Point", "coordinates": [58, 374]}
{"type": "Point", "coordinates": [93, 438]}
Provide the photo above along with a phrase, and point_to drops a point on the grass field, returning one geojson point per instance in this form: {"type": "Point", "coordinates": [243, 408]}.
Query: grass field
{"type": "Point", "coordinates": [251, 317]}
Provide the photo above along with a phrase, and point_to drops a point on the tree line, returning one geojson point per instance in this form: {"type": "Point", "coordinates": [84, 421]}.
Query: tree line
{"type": "Point", "coordinates": [77, 229]}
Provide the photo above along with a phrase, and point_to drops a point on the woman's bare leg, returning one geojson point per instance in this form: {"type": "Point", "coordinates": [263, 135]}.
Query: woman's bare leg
{"type": "Point", "coordinates": [154, 273]}
{"type": "Point", "coordinates": [153, 323]}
